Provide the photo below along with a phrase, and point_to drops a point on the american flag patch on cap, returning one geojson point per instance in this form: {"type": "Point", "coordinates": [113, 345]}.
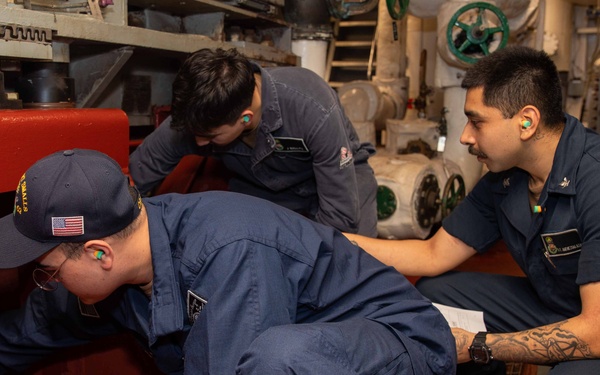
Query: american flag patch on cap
{"type": "Point", "coordinates": [67, 226]}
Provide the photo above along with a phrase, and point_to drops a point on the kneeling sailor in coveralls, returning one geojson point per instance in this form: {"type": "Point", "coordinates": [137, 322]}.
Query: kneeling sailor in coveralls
{"type": "Point", "coordinates": [211, 283]}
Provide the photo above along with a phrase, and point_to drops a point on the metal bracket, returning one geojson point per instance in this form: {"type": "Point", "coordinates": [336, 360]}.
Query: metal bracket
{"type": "Point", "coordinates": [95, 9]}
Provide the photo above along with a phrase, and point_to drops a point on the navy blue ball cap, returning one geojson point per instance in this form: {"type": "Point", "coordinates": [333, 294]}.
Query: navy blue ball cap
{"type": "Point", "coordinates": [69, 196]}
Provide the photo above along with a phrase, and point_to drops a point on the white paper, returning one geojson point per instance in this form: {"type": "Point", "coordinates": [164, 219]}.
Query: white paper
{"type": "Point", "coordinates": [469, 320]}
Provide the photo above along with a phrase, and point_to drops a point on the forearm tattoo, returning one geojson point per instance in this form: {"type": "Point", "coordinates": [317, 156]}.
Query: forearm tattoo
{"type": "Point", "coordinates": [544, 345]}
{"type": "Point", "coordinates": [462, 339]}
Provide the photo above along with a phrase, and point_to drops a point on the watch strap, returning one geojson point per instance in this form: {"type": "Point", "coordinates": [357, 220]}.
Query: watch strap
{"type": "Point", "coordinates": [480, 337]}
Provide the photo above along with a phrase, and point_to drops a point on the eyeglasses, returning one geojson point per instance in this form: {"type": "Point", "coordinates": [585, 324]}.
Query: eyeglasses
{"type": "Point", "coordinates": [45, 280]}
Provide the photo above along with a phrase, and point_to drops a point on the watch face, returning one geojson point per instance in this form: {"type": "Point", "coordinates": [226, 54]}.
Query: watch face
{"type": "Point", "coordinates": [480, 354]}
{"type": "Point", "coordinates": [479, 351]}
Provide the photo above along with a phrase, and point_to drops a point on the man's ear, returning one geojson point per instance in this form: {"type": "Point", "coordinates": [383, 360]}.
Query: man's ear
{"type": "Point", "coordinates": [247, 116]}
{"type": "Point", "coordinates": [99, 251]}
{"type": "Point", "coordinates": [529, 121]}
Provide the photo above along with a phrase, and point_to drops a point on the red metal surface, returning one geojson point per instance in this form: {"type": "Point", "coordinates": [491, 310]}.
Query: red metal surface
{"type": "Point", "coordinates": [30, 134]}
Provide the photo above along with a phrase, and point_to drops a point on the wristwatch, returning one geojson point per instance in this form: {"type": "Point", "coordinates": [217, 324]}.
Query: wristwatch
{"type": "Point", "coordinates": [479, 351]}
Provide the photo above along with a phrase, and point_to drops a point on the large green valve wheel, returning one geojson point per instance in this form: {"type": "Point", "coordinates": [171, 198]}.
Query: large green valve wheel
{"type": "Point", "coordinates": [386, 202]}
{"type": "Point", "coordinates": [454, 193]}
{"type": "Point", "coordinates": [474, 39]}
{"type": "Point", "coordinates": [426, 204]}
{"type": "Point", "coordinates": [397, 8]}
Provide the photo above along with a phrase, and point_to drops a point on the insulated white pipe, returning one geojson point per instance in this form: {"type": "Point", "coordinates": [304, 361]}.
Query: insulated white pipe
{"type": "Point", "coordinates": [313, 54]}
{"type": "Point", "coordinates": [391, 44]}
{"type": "Point", "coordinates": [539, 33]}
{"type": "Point", "coordinates": [454, 101]}
{"type": "Point", "coordinates": [414, 47]}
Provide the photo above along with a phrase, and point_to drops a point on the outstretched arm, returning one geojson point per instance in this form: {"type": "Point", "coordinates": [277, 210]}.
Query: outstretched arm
{"type": "Point", "coordinates": [158, 155]}
{"type": "Point", "coordinates": [567, 340]}
{"type": "Point", "coordinates": [431, 257]}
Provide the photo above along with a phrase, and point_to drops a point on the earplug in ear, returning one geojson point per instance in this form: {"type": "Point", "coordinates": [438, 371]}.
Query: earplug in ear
{"type": "Point", "coordinates": [98, 254]}
{"type": "Point", "coordinates": [525, 124]}
{"type": "Point", "coordinates": [246, 118]}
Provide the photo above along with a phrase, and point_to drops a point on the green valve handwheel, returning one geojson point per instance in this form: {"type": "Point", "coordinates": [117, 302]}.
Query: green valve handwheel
{"type": "Point", "coordinates": [474, 39]}
{"type": "Point", "coordinates": [397, 8]}
{"type": "Point", "coordinates": [454, 192]}
{"type": "Point", "coordinates": [386, 202]}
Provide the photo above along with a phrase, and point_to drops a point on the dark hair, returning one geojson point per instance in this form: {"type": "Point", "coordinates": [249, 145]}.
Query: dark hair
{"type": "Point", "coordinates": [516, 76]}
{"type": "Point", "coordinates": [212, 88]}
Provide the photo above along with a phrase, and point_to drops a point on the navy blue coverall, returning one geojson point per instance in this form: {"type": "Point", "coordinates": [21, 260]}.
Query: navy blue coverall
{"type": "Point", "coordinates": [242, 285]}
